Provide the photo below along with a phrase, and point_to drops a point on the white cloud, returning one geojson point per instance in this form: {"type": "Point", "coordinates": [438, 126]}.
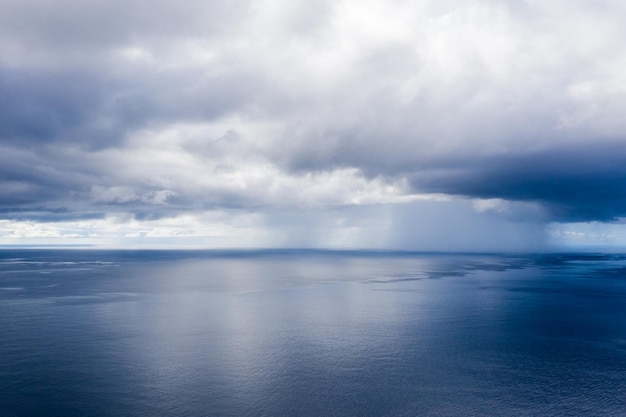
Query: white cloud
{"type": "Point", "coordinates": [158, 111]}
{"type": "Point", "coordinates": [587, 234]}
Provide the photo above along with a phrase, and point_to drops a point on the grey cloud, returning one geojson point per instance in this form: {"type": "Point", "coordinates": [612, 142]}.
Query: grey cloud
{"type": "Point", "coordinates": [526, 108]}
{"type": "Point", "coordinates": [44, 106]}
{"type": "Point", "coordinates": [48, 214]}
{"type": "Point", "coordinates": [68, 26]}
{"type": "Point", "coordinates": [97, 110]}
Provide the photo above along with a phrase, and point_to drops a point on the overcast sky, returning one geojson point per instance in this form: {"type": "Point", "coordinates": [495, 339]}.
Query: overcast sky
{"type": "Point", "coordinates": [434, 125]}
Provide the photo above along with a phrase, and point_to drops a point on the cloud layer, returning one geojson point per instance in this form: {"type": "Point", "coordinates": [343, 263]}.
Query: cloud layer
{"type": "Point", "coordinates": [165, 109]}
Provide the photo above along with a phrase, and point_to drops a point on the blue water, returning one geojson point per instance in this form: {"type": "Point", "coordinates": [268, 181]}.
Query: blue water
{"type": "Point", "coordinates": [311, 333]}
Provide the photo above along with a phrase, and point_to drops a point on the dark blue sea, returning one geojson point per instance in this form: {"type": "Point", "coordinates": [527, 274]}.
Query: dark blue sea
{"type": "Point", "coordinates": [311, 333]}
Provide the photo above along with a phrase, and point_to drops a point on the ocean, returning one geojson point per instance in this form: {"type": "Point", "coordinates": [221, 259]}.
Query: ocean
{"type": "Point", "coordinates": [311, 333]}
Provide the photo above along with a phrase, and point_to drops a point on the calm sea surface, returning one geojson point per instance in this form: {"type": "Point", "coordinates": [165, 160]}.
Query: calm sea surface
{"type": "Point", "coordinates": [311, 333]}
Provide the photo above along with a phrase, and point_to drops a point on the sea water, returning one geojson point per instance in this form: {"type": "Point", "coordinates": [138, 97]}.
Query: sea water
{"type": "Point", "coordinates": [311, 333]}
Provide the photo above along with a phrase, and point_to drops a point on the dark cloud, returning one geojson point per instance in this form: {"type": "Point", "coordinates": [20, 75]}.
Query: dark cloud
{"type": "Point", "coordinates": [574, 184]}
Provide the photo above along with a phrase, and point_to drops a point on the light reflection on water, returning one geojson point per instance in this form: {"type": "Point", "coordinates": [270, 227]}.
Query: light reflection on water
{"type": "Point", "coordinates": [311, 333]}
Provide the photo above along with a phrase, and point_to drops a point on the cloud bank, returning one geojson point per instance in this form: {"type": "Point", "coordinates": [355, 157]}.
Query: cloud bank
{"type": "Point", "coordinates": [310, 113]}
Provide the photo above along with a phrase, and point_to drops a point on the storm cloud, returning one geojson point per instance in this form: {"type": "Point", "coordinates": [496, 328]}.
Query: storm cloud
{"type": "Point", "coordinates": [159, 110]}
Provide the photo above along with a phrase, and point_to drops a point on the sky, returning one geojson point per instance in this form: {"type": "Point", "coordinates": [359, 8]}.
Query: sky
{"type": "Point", "coordinates": [420, 125]}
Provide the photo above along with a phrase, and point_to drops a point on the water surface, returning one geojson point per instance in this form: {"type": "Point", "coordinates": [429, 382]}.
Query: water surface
{"type": "Point", "coordinates": [311, 333]}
